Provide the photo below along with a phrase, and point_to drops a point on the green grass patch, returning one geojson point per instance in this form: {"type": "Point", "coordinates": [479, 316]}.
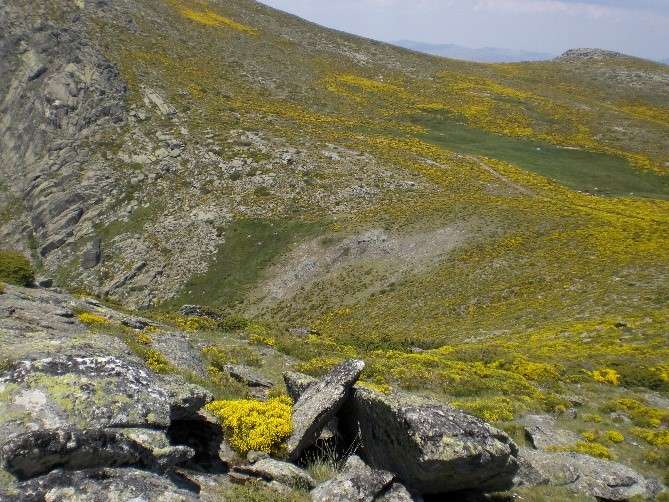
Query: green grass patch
{"type": "Point", "coordinates": [578, 169]}
{"type": "Point", "coordinates": [251, 245]}
{"type": "Point", "coordinates": [16, 268]}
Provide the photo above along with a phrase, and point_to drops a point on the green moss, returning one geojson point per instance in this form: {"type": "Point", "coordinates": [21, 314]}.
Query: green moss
{"type": "Point", "coordinates": [16, 269]}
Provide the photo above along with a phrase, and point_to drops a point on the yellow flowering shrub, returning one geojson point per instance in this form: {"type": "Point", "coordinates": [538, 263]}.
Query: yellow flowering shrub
{"type": "Point", "coordinates": [590, 435]}
{"type": "Point", "coordinates": [654, 437]}
{"type": "Point", "coordinates": [194, 323]}
{"type": "Point", "coordinates": [255, 425]}
{"type": "Point", "coordinates": [586, 448]}
{"type": "Point", "coordinates": [640, 413]}
{"type": "Point", "coordinates": [156, 361]}
{"type": "Point", "coordinates": [93, 320]}
{"type": "Point", "coordinates": [606, 375]}
{"type": "Point", "coordinates": [211, 18]}
{"type": "Point", "coordinates": [615, 436]}
{"type": "Point", "coordinates": [496, 409]}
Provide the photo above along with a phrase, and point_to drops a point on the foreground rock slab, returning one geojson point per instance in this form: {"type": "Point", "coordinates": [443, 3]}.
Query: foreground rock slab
{"type": "Point", "coordinates": [319, 403]}
{"type": "Point", "coordinates": [584, 474]}
{"type": "Point", "coordinates": [102, 485]}
{"type": "Point", "coordinates": [268, 469]}
{"type": "Point", "coordinates": [432, 448]}
{"type": "Point", "coordinates": [357, 483]}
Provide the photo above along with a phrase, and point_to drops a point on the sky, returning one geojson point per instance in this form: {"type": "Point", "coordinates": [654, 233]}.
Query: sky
{"type": "Point", "coordinates": [636, 27]}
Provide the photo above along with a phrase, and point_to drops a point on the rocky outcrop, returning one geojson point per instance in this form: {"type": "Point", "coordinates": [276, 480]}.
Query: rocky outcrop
{"type": "Point", "coordinates": [432, 448]}
{"type": "Point", "coordinates": [598, 478]}
{"type": "Point", "coordinates": [356, 483]}
{"type": "Point", "coordinates": [74, 401]}
{"type": "Point", "coordinates": [542, 431]}
{"type": "Point", "coordinates": [102, 485]}
{"type": "Point", "coordinates": [35, 453]}
{"type": "Point", "coordinates": [319, 403]}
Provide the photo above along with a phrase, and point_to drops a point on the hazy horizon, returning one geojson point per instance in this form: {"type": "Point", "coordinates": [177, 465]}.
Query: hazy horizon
{"type": "Point", "coordinates": [635, 27]}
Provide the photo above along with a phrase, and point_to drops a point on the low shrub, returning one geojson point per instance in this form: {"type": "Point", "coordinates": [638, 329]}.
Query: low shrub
{"type": "Point", "coordinates": [2, 288]}
{"type": "Point", "coordinates": [16, 269]}
{"type": "Point", "coordinates": [93, 320]}
{"type": "Point", "coordinates": [255, 425]}
{"type": "Point", "coordinates": [615, 436]}
{"type": "Point", "coordinates": [586, 448]}
{"type": "Point", "coordinates": [233, 323]}
{"type": "Point", "coordinates": [220, 356]}
{"type": "Point", "coordinates": [195, 323]}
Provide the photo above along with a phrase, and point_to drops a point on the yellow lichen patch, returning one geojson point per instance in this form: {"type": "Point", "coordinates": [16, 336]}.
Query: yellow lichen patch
{"type": "Point", "coordinates": [211, 18]}
{"type": "Point", "coordinates": [255, 425]}
{"type": "Point", "coordinates": [93, 320]}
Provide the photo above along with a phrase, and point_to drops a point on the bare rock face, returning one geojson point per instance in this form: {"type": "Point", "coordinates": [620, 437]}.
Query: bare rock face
{"type": "Point", "coordinates": [432, 448]}
{"type": "Point", "coordinates": [319, 403]}
{"type": "Point", "coordinates": [36, 453]}
{"type": "Point", "coordinates": [102, 485]}
{"type": "Point", "coordinates": [584, 474]}
{"type": "Point", "coordinates": [543, 432]}
{"type": "Point", "coordinates": [356, 483]}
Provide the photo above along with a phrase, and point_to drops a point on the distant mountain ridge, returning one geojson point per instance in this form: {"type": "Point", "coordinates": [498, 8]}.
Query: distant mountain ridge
{"type": "Point", "coordinates": [481, 55]}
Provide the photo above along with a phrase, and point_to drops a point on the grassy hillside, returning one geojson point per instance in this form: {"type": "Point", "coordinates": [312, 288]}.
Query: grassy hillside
{"type": "Point", "coordinates": [554, 295]}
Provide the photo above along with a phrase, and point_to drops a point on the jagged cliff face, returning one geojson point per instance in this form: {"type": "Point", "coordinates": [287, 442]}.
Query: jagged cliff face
{"type": "Point", "coordinates": [60, 97]}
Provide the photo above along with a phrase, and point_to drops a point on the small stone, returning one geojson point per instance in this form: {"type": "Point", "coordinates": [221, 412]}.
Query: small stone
{"type": "Point", "coordinates": [45, 283]}
{"type": "Point", "coordinates": [357, 482]}
{"type": "Point", "coordinates": [254, 456]}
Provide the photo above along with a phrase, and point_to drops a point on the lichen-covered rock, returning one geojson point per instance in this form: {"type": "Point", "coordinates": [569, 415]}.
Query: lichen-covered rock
{"type": "Point", "coordinates": [319, 403]}
{"type": "Point", "coordinates": [598, 478]}
{"type": "Point", "coordinates": [285, 473]}
{"type": "Point", "coordinates": [36, 453]}
{"type": "Point", "coordinates": [398, 493]}
{"type": "Point", "coordinates": [356, 483]}
{"type": "Point", "coordinates": [431, 447]}
{"type": "Point", "coordinates": [103, 485]}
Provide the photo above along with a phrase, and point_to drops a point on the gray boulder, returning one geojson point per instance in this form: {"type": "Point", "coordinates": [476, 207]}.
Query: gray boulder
{"type": "Point", "coordinates": [542, 431]}
{"type": "Point", "coordinates": [319, 403]}
{"type": "Point", "coordinates": [268, 470]}
{"type": "Point", "coordinates": [356, 483]}
{"type": "Point", "coordinates": [431, 447]}
{"type": "Point", "coordinates": [104, 484]}
{"type": "Point", "coordinates": [398, 493]}
{"type": "Point", "coordinates": [36, 453]}
{"type": "Point", "coordinates": [583, 474]}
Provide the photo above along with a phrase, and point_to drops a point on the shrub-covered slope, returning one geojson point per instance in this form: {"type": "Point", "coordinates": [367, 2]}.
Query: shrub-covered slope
{"type": "Point", "coordinates": [496, 235]}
